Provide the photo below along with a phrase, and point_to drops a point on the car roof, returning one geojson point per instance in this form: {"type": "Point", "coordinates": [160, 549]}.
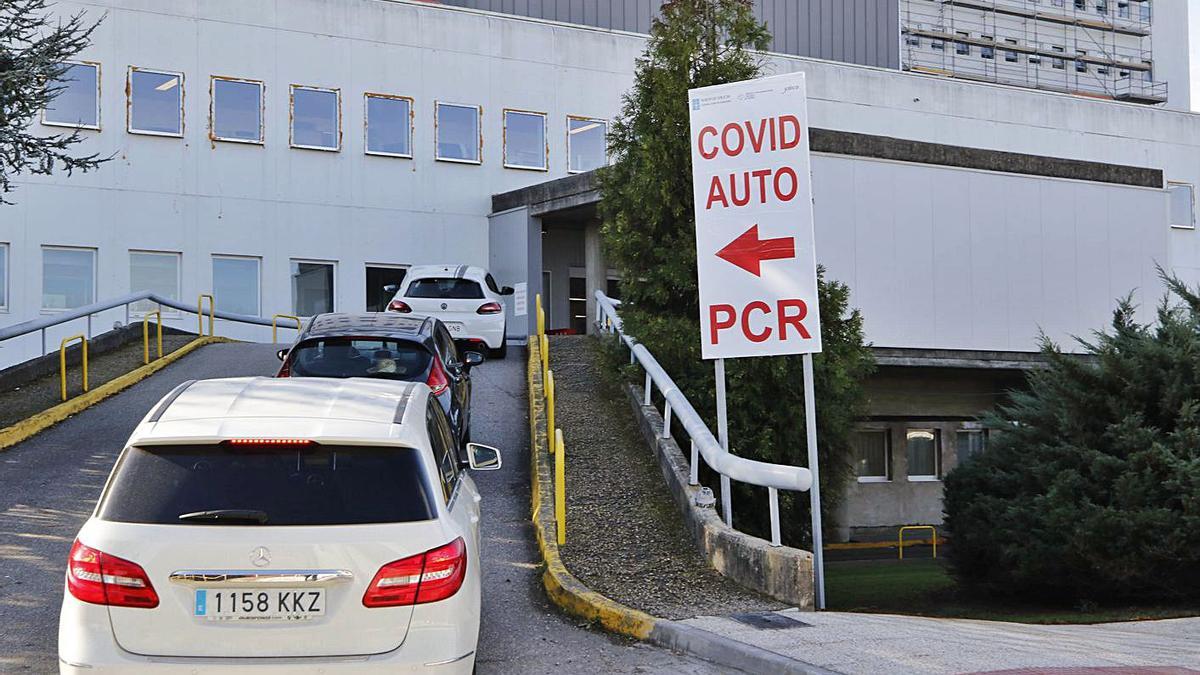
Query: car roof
{"type": "Point", "coordinates": [364, 324]}
{"type": "Point", "coordinates": [472, 272]}
{"type": "Point", "coordinates": [352, 410]}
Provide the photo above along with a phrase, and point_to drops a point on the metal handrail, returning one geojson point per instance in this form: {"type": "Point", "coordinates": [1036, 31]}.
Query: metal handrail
{"type": "Point", "coordinates": [764, 474]}
{"type": "Point", "coordinates": [41, 324]}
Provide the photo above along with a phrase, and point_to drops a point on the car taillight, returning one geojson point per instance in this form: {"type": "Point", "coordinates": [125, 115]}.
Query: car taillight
{"type": "Point", "coordinates": [437, 381]}
{"type": "Point", "coordinates": [102, 579]}
{"type": "Point", "coordinates": [489, 308]}
{"type": "Point", "coordinates": [399, 306]}
{"type": "Point", "coordinates": [428, 577]}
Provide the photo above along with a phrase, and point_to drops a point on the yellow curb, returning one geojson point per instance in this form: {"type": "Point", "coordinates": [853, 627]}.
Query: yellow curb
{"type": "Point", "coordinates": [26, 428]}
{"type": "Point", "coordinates": [563, 588]}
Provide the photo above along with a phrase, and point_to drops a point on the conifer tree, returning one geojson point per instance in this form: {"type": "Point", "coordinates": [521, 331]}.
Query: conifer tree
{"type": "Point", "coordinates": [649, 233]}
{"type": "Point", "coordinates": [34, 48]}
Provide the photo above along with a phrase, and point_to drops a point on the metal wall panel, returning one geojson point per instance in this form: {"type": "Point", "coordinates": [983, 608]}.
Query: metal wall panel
{"type": "Point", "coordinates": [866, 32]}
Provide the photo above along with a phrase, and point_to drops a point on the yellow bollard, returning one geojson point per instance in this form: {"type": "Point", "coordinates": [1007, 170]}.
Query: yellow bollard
{"type": "Point", "coordinates": [545, 360]}
{"type": "Point", "coordinates": [157, 314]}
{"type": "Point", "coordinates": [62, 361]}
{"type": "Point", "coordinates": [274, 324]}
{"type": "Point", "coordinates": [550, 401]}
{"type": "Point", "coordinates": [541, 316]}
{"type": "Point", "coordinates": [212, 311]}
{"type": "Point", "coordinates": [917, 527]}
{"type": "Point", "coordinates": [560, 486]}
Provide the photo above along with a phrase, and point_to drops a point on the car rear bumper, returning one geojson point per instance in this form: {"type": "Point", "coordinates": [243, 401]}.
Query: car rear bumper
{"type": "Point", "coordinates": [488, 329]}
{"type": "Point", "coordinates": [86, 646]}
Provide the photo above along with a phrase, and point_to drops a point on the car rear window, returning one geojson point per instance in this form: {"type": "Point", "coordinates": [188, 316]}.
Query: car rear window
{"type": "Point", "coordinates": [360, 357]}
{"type": "Point", "coordinates": [445, 289]}
{"type": "Point", "coordinates": [306, 485]}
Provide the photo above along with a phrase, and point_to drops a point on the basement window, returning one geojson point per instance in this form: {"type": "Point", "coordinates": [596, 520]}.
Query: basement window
{"type": "Point", "coordinates": [236, 110]}
{"type": "Point", "coordinates": [155, 102]}
{"type": "Point", "coordinates": [77, 103]}
{"type": "Point", "coordinates": [872, 455]}
{"type": "Point", "coordinates": [389, 125]}
{"type": "Point", "coordinates": [971, 442]}
{"type": "Point", "coordinates": [316, 118]}
{"type": "Point", "coordinates": [525, 140]}
{"type": "Point", "coordinates": [3, 277]}
{"type": "Point", "coordinates": [68, 277]}
{"type": "Point", "coordinates": [1183, 205]}
{"type": "Point", "coordinates": [236, 281]}
{"type": "Point", "coordinates": [157, 272]}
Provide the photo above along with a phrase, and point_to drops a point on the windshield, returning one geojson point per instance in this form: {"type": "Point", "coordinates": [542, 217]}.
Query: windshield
{"type": "Point", "coordinates": [445, 289]}
{"type": "Point", "coordinates": [360, 357]}
{"type": "Point", "coordinates": [226, 484]}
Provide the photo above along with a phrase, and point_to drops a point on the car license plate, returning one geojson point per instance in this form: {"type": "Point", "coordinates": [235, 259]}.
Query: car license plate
{"type": "Point", "coordinates": [259, 604]}
{"type": "Point", "coordinates": [454, 328]}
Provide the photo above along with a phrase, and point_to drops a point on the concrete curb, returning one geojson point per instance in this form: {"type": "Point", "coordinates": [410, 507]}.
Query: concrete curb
{"type": "Point", "coordinates": [573, 597]}
{"type": "Point", "coordinates": [30, 426]}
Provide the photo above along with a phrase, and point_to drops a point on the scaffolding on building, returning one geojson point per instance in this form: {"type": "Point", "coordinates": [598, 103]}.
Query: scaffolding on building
{"type": "Point", "coordinates": [1100, 48]}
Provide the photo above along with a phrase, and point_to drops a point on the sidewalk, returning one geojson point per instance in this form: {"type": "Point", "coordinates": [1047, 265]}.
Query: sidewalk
{"type": "Point", "coordinates": [865, 644]}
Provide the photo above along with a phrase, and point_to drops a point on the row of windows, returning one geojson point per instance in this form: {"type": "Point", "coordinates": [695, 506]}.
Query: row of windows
{"type": "Point", "coordinates": [1013, 56]}
{"type": "Point", "coordinates": [1103, 7]}
{"type": "Point", "coordinates": [69, 280]}
{"type": "Point", "coordinates": [155, 107]}
{"type": "Point", "coordinates": [923, 452]}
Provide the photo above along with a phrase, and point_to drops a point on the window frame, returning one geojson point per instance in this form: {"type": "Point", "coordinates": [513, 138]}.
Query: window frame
{"type": "Point", "coordinates": [545, 167]}
{"type": "Point", "coordinates": [888, 455]}
{"type": "Point", "coordinates": [412, 112]}
{"type": "Point", "coordinates": [95, 276]}
{"type": "Point", "coordinates": [258, 261]}
{"type": "Point", "coordinates": [582, 118]}
{"type": "Point", "coordinates": [1192, 190]}
{"type": "Point", "coordinates": [129, 103]}
{"type": "Point", "coordinates": [934, 477]}
{"type": "Point", "coordinates": [5, 277]}
{"type": "Point", "coordinates": [333, 303]}
{"type": "Point", "coordinates": [212, 110]}
{"type": "Point", "coordinates": [292, 117]}
{"type": "Point", "coordinates": [437, 108]}
{"type": "Point", "coordinates": [178, 255]}
{"type": "Point", "coordinates": [96, 127]}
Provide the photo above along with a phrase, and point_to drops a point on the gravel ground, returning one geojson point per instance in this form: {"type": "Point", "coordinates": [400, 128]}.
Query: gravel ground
{"type": "Point", "coordinates": [625, 538]}
{"type": "Point", "coordinates": [20, 402]}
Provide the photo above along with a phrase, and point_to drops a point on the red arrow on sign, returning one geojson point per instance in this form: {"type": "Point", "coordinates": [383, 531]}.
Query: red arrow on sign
{"type": "Point", "coordinates": [748, 251]}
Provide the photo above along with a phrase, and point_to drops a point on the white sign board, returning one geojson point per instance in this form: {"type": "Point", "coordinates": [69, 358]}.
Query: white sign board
{"type": "Point", "coordinates": [520, 299]}
{"type": "Point", "coordinates": [754, 220]}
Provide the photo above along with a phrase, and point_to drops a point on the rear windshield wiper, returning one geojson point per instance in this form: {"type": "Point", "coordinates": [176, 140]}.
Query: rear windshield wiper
{"type": "Point", "coordinates": [229, 516]}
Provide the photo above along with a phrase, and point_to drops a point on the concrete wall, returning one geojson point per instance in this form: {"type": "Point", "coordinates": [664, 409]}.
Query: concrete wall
{"type": "Point", "coordinates": [855, 31]}
{"type": "Point", "coordinates": [515, 252]}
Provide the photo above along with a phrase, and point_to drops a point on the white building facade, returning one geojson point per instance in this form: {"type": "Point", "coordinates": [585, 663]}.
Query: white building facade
{"type": "Point", "coordinates": [292, 158]}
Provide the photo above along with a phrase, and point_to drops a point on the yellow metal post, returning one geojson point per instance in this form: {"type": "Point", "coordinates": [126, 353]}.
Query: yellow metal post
{"type": "Point", "coordinates": [545, 359]}
{"type": "Point", "coordinates": [550, 401]}
{"type": "Point", "coordinates": [62, 361]}
{"type": "Point", "coordinates": [900, 543]}
{"type": "Point", "coordinates": [560, 486]}
{"type": "Point", "coordinates": [541, 315]}
{"type": "Point", "coordinates": [274, 325]}
{"type": "Point", "coordinates": [212, 311]}
{"type": "Point", "coordinates": [157, 314]}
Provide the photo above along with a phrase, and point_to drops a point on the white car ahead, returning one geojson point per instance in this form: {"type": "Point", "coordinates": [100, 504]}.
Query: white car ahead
{"type": "Point", "coordinates": [263, 525]}
{"type": "Point", "coordinates": [464, 297]}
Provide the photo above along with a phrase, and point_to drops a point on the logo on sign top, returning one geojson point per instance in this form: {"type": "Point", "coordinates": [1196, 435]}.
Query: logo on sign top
{"type": "Point", "coordinates": [754, 223]}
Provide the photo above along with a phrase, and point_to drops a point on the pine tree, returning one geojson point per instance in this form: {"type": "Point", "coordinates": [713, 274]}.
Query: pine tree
{"type": "Point", "coordinates": [33, 51]}
{"type": "Point", "coordinates": [1092, 489]}
{"type": "Point", "coordinates": [649, 221]}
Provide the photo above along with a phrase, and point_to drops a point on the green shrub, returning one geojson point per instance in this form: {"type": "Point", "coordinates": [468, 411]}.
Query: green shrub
{"type": "Point", "coordinates": [1092, 489]}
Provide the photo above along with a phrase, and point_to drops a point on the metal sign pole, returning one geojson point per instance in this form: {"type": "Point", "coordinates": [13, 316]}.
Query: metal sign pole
{"type": "Point", "coordinates": [723, 437]}
{"type": "Point", "coordinates": [814, 494]}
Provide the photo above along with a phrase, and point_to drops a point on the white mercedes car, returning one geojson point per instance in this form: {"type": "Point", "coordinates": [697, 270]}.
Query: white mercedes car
{"type": "Point", "coordinates": [464, 297]}
{"type": "Point", "coordinates": [263, 525]}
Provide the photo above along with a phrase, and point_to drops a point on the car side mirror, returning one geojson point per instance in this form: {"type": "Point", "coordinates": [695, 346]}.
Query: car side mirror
{"type": "Point", "coordinates": [483, 457]}
{"type": "Point", "coordinates": [281, 354]}
{"type": "Point", "coordinates": [391, 288]}
{"type": "Point", "coordinates": [506, 290]}
{"type": "Point", "coordinates": [472, 358]}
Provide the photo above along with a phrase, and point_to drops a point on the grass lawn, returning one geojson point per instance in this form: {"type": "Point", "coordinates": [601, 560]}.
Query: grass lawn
{"type": "Point", "coordinates": [923, 587]}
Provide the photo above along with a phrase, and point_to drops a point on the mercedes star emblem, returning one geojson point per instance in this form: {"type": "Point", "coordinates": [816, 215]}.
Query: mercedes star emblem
{"type": "Point", "coordinates": [260, 556]}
